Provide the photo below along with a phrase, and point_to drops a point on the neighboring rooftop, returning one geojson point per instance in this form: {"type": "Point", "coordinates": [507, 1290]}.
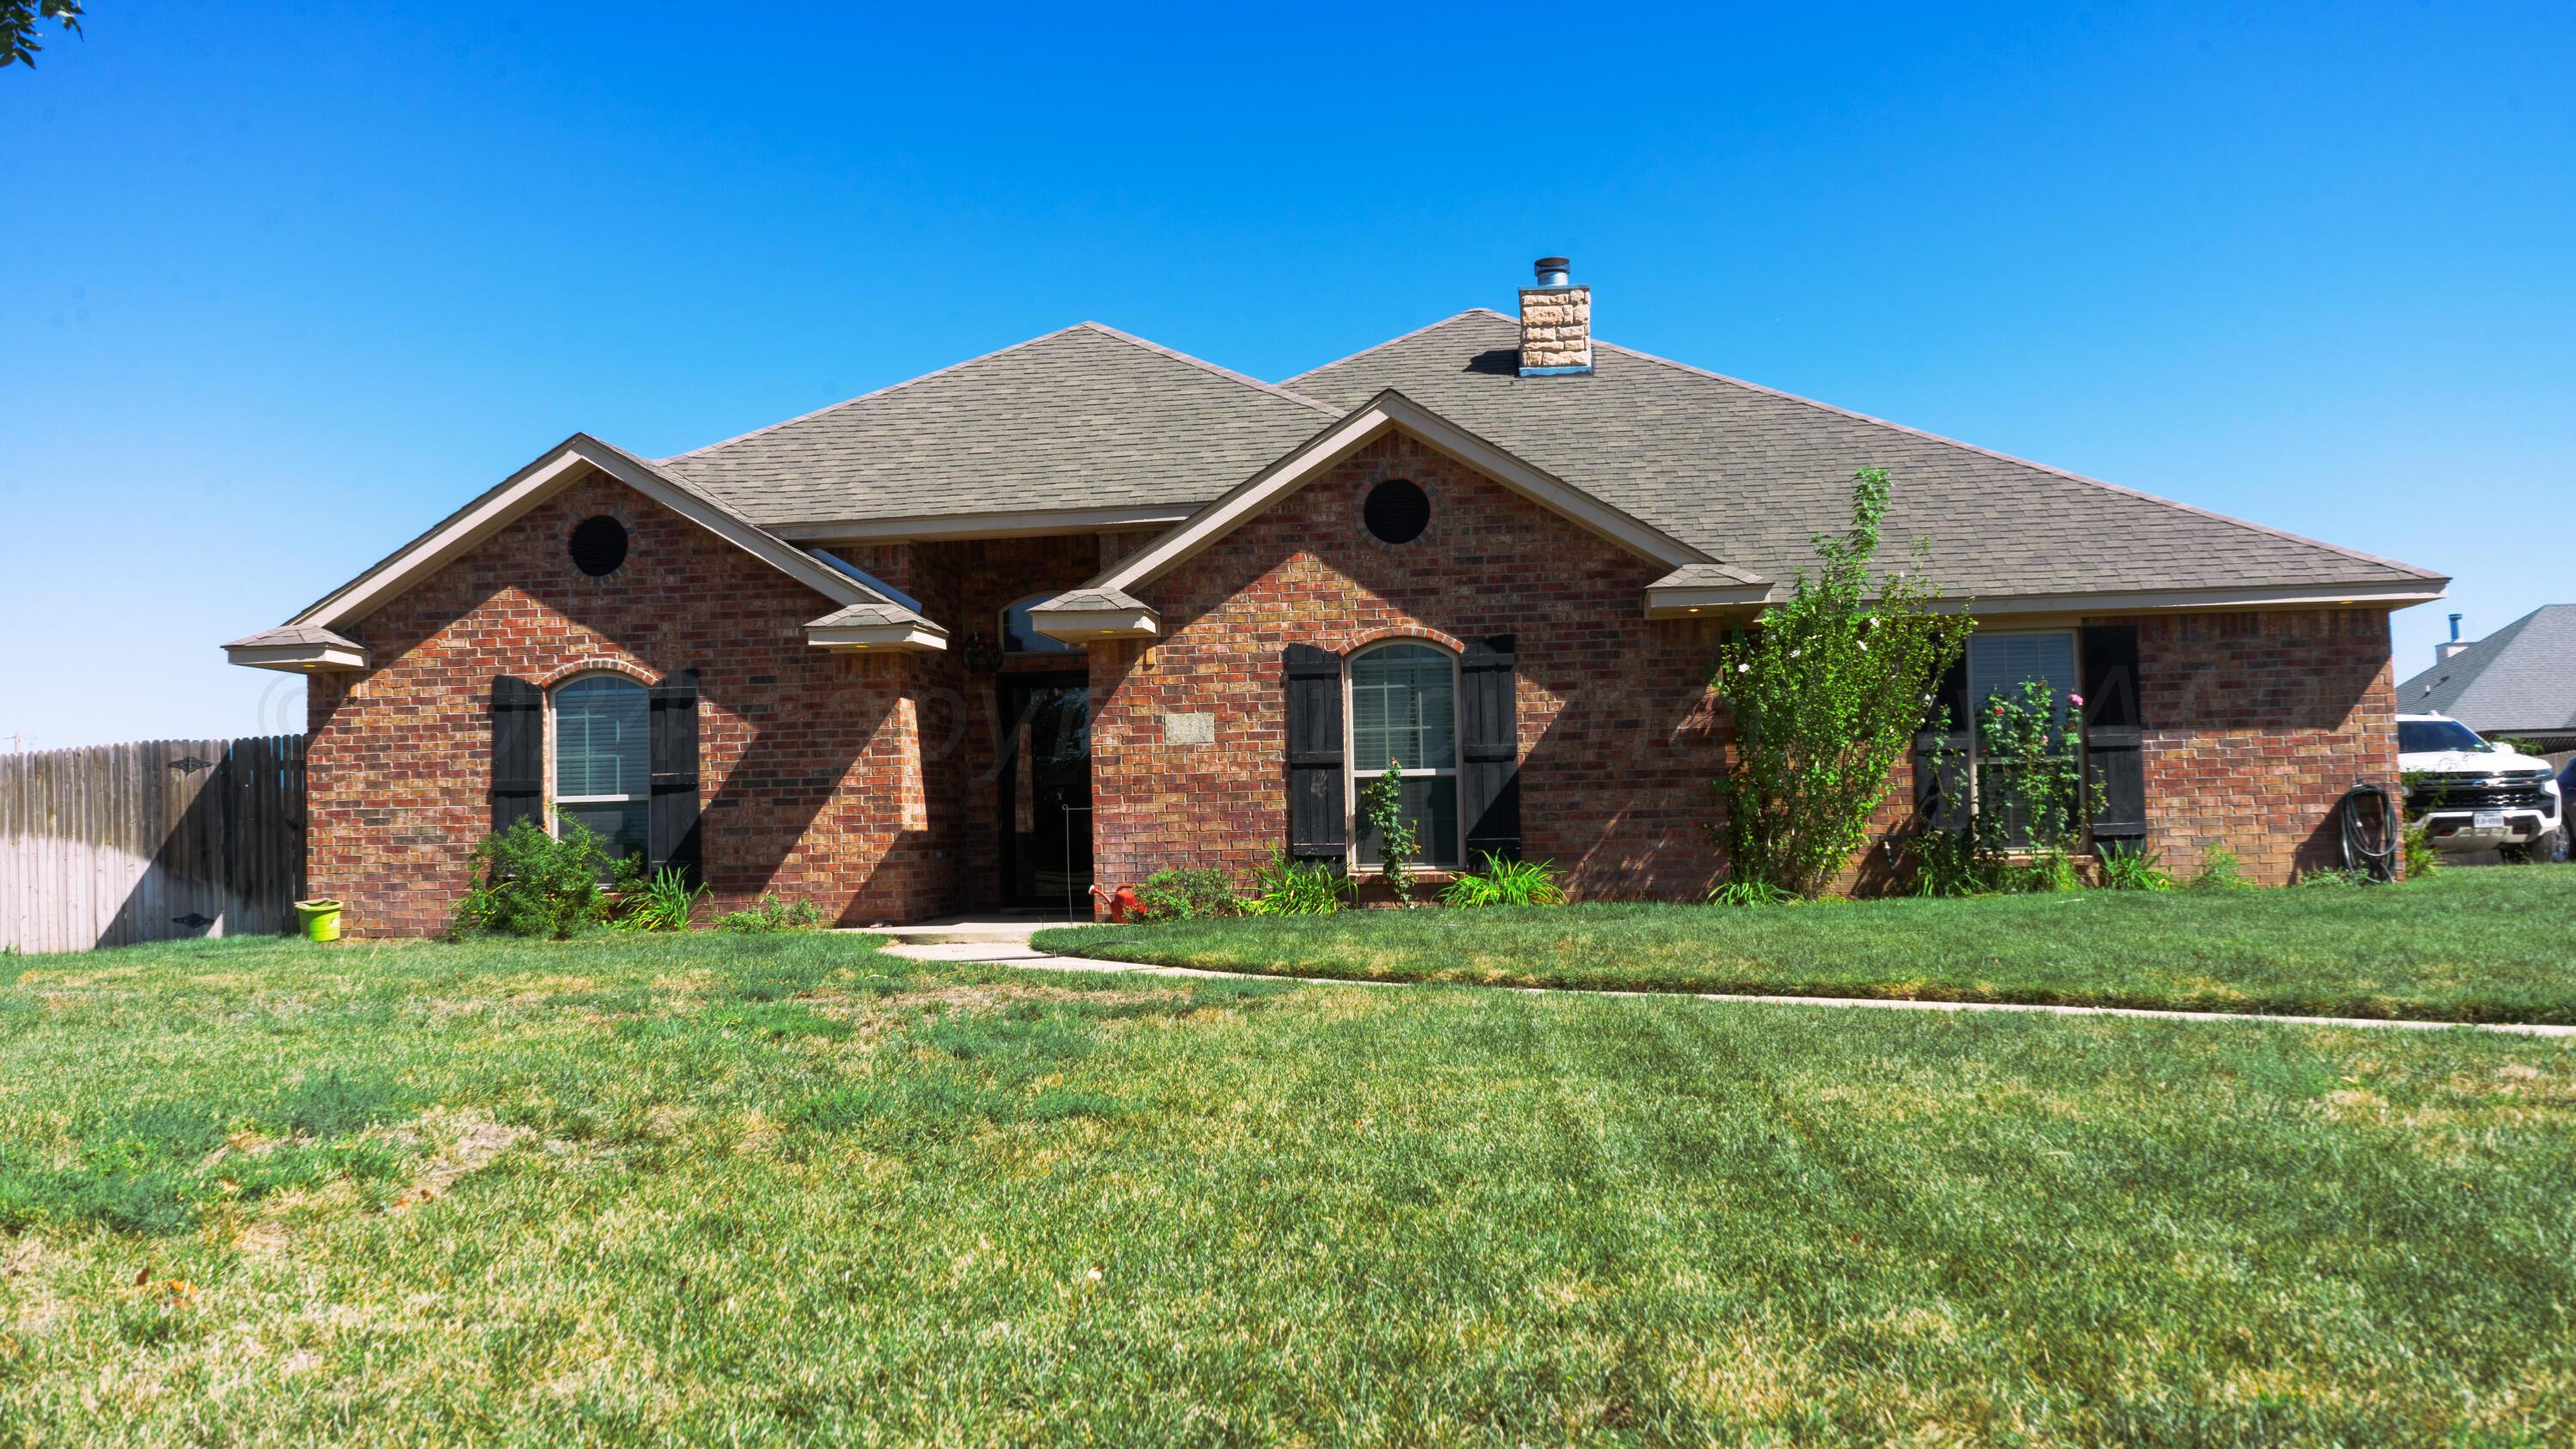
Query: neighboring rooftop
{"type": "Point", "coordinates": [2519, 680]}
{"type": "Point", "coordinates": [1750, 475]}
{"type": "Point", "coordinates": [1087, 418]}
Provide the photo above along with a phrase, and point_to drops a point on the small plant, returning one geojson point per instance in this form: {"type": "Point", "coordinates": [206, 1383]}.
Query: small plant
{"type": "Point", "coordinates": [1382, 806]}
{"type": "Point", "coordinates": [2334, 877]}
{"type": "Point", "coordinates": [1508, 883]}
{"type": "Point", "coordinates": [1187, 895]}
{"type": "Point", "coordinates": [1750, 892]}
{"type": "Point", "coordinates": [2414, 840]}
{"type": "Point", "coordinates": [2220, 870]}
{"type": "Point", "coordinates": [1285, 887]}
{"type": "Point", "coordinates": [533, 884]}
{"type": "Point", "coordinates": [2133, 868]}
{"type": "Point", "coordinates": [663, 903]}
{"type": "Point", "coordinates": [772, 914]}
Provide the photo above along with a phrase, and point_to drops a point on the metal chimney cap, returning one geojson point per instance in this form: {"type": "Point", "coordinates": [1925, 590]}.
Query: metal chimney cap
{"type": "Point", "coordinates": [1553, 271]}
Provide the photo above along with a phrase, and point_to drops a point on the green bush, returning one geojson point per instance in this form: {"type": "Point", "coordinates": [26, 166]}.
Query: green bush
{"type": "Point", "coordinates": [772, 914]}
{"type": "Point", "coordinates": [1285, 887]}
{"type": "Point", "coordinates": [1187, 895]}
{"type": "Point", "coordinates": [1508, 883]}
{"type": "Point", "coordinates": [1825, 695]}
{"type": "Point", "coordinates": [532, 884]}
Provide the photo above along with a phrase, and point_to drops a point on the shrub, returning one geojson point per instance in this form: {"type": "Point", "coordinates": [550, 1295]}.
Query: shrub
{"type": "Point", "coordinates": [2028, 815]}
{"type": "Point", "coordinates": [2414, 842]}
{"type": "Point", "coordinates": [1382, 806]}
{"type": "Point", "coordinates": [1285, 887]}
{"type": "Point", "coordinates": [534, 884]}
{"type": "Point", "coordinates": [2220, 870]}
{"type": "Point", "coordinates": [2133, 868]}
{"type": "Point", "coordinates": [1508, 883]}
{"type": "Point", "coordinates": [772, 914]}
{"type": "Point", "coordinates": [1187, 895]}
{"type": "Point", "coordinates": [1826, 694]}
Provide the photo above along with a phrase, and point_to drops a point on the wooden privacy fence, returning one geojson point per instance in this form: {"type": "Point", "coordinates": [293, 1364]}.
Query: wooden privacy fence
{"type": "Point", "coordinates": [153, 841]}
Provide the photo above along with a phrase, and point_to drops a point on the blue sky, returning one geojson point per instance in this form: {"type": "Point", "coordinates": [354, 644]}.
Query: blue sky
{"type": "Point", "coordinates": [288, 282]}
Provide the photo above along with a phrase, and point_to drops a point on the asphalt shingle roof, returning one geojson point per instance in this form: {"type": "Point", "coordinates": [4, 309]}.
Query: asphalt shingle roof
{"type": "Point", "coordinates": [1749, 475]}
{"type": "Point", "coordinates": [2522, 677]}
{"type": "Point", "coordinates": [1083, 418]}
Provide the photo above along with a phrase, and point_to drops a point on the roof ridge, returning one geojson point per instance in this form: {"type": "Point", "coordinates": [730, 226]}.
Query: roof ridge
{"type": "Point", "coordinates": [1228, 373]}
{"type": "Point", "coordinates": [2071, 476]}
{"type": "Point", "coordinates": [877, 392]}
{"type": "Point", "coordinates": [1390, 342]}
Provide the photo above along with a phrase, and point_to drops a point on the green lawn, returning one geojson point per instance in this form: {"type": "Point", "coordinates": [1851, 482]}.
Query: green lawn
{"type": "Point", "coordinates": [784, 1189]}
{"type": "Point", "coordinates": [2496, 944]}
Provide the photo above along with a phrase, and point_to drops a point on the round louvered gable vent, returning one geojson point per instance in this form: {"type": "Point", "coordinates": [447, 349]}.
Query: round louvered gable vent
{"type": "Point", "coordinates": [599, 546]}
{"type": "Point", "coordinates": [1397, 511]}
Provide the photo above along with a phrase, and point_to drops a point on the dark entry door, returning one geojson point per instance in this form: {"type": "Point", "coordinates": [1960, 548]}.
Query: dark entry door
{"type": "Point", "coordinates": [1046, 790]}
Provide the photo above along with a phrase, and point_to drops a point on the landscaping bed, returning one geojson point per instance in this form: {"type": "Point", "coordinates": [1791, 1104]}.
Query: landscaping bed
{"type": "Point", "coordinates": [785, 1189]}
{"type": "Point", "coordinates": [2465, 945]}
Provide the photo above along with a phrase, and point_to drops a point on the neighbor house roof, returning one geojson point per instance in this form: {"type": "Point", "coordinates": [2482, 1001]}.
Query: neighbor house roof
{"type": "Point", "coordinates": [2519, 679]}
{"type": "Point", "coordinates": [1749, 475]}
{"type": "Point", "coordinates": [1084, 419]}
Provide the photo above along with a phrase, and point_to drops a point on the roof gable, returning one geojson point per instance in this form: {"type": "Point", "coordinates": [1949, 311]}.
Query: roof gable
{"type": "Point", "coordinates": [1751, 475]}
{"type": "Point", "coordinates": [458, 533]}
{"type": "Point", "coordinates": [2521, 677]}
{"type": "Point", "coordinates": [1087, 417]}
{"type": "Point", "coordinates": [1389, 411]}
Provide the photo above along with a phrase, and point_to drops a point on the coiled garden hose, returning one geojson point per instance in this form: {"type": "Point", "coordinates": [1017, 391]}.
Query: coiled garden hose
{"type": "Point", "coordinates": [2358, 853]}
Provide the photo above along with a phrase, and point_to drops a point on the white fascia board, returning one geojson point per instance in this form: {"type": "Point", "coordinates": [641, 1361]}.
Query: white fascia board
{"type": "Point", "coordinates": [2394, 595]}
{"type": "Point", "coordinates": [1080, 626]}
{"type": "Point", "coordinates": [936, 528]}
{"type": "Point", "coordinates": [915, 638]}
{"type": "Point", "coordinates": [539, 481]}
{"type": "Point", "coordinates": [1676, 603]}
{"type": "Point", "coordinates": [1392, 410]}
{"type": "Point", "coordinates": [297, 658]}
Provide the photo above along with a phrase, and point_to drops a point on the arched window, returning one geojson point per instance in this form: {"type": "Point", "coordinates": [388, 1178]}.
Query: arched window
{"type": "Point", "coordinates": [602, 760]}
{"type": "Point", "coordinates": [1020, 636]}
{"type": "Point", "coordinates": [1404, 710]}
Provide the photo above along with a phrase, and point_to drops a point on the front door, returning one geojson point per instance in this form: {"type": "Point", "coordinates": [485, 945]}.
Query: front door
{"type": "Point", "coordinates": [1046, 791]}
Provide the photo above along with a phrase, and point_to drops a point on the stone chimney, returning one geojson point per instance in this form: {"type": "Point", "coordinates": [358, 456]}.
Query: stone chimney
{"type": "Point", "coordinates": [1556, 323]}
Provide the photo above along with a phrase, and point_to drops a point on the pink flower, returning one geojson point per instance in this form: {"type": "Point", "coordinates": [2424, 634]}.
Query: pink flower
{"type": "Point", "coordinates": [2075, 699]}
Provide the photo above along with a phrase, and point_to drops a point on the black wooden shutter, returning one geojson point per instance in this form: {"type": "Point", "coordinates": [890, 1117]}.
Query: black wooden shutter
{"type": "Point", "coordinates": [674, 819]}
{"type": "Point", "coordinates": [1941, 796]}
{"type": "Point", "coordinates": [2114, 734]}
{"type": "Point", "coordinates": [1316, 819]}
{"type": "Point", "coordinates": [1489, 749]}
{"type": "Point", "coordinates": [518, 752]}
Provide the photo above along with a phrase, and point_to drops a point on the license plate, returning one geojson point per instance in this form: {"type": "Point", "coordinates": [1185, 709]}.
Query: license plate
{"type": "Point", "coordinates": [2486, 820]}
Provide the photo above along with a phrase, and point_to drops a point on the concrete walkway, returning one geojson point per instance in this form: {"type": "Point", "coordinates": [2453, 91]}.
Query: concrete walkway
{"type": "Point", "coordinates": [1000, 949]}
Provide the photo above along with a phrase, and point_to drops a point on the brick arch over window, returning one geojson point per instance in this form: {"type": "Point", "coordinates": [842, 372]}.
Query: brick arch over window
{"type": "Point", "coordinates": [597, 664]}
{"type": "Point", "coordinates": [1368, 637]}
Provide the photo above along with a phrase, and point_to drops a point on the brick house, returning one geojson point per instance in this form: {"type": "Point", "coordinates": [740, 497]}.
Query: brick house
{"type": "Point", "coordinates": [1086, 607]}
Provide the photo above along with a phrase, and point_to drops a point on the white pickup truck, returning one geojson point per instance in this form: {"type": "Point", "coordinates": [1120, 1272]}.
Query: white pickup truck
{"type": "Point", "coordinates": [2472, 795]}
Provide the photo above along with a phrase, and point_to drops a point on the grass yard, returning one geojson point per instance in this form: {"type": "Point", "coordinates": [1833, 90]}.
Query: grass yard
{"type": "Point", "coordinates": [2492, 944]}
{"type": "Point", "coordinates": [785, 1189]}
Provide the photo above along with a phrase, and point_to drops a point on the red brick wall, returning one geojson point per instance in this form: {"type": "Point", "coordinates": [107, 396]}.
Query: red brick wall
{"type": "Point", "coordinates": [812, 779]}
{"type": "Point", "coordinates": [1617, 739]}
{"type": "Point", "coordinates": [2257, 723]}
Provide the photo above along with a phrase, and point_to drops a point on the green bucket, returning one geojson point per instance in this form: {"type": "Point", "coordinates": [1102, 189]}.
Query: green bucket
{"type": "Point", "coordinates": [321, 919]}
